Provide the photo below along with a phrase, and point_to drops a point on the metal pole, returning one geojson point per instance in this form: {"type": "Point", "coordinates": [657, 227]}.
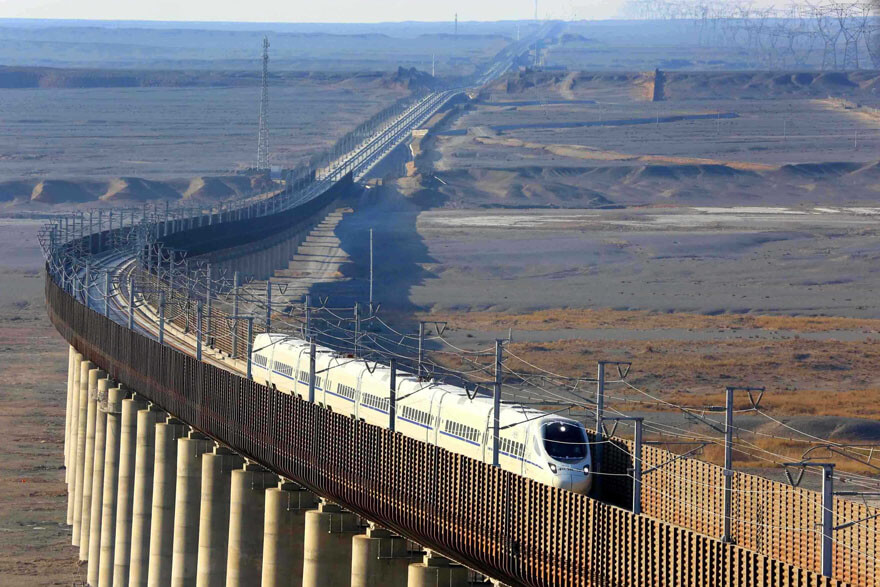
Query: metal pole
{"type": "Point", "coordinates": [312, 372]}
{"type": "Point", "coordinates": [268, 304]}
{"type": "Point", "coordinates": [208, 305]}
{"type": "Point", "coordinates": [170, 276]}
{"type": "Point", "coordinates": [728, 463]}
{"type": "Point", "coordinates": [107, 293]}
{"type": "Point", "coordinates": [421, 348]}
{"type": "Point", "coordinates": [392, 398]}
{"type": "Point", "coordinates": [600, 413]}
{"type": "Point", "coordinates": [250, 337]}
{"type": "Point", "coordinates": [131, 303]}
{"type": "Point", "coordinates": [827, 517]}
{"type": "Point", "coordinates": [161, 317]}
{"type": "Point", "coordinates": [308, 317]}
{"type": "Point", "coordinates": [357, 328]}
{"type": "Point", "coordinates": [235, 314]}
{"type": "Point", "coordinates": [88, 278]}
{"type": "Point", "coordinates": [496, 410]}
{"type": "Point", "coordinates": [637, 468]}
{"type": "Point", "coordinates": [371, 271]}
{"type": "Point", "coordinates": [199, 331]}
{"type": "Point", "coordinates": [159, 266]}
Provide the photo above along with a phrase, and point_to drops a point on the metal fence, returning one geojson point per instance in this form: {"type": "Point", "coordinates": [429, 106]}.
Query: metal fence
{"type": "Point", "coordinates": [502, 524]}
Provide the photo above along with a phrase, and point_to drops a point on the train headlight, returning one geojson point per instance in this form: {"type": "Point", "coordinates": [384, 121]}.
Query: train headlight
{"type": "Point", "coordinates": [552, 468]}
{"type": "Point", "coordinates": [586, 469]}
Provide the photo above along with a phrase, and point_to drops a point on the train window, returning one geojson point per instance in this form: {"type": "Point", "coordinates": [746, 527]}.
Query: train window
{"type": "Point", "coordinates": [565, 441]}
{"type": "Point", "coordinates": [318, 381]}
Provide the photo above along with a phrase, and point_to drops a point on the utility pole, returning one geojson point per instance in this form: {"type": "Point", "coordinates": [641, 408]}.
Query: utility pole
{"type": "Point", "coordinates": [496, 409]}
{"type": "Point", "coordinates": [392, 397]}
{"type": "Point", "coordinates": [250, 346]}
{"type": "Point", "coordinates": [600, 405]}
{"type": "Point", "coordinates": [161, 317]}
{"type": "Point", "coordinates": [421, 348]}
{"type": "Point", "coordinates": [107, 293]}
{"type": "Point", "coordinates": [268, 304]}
{"type": "Point", "coordinates": [131, 303]}
{"type": "Point", "coordinates": [263, 142]}
{"type": "Point", "coordinates": [312, 372]}
{"type": "Point", "coordinates": [637, 460]}
{"type": "Point", "coordinates": [86, 287]}
{"type": "Point", "coordinates": [600, 412]}
{"type": "Point", "coordinates": [308, 317]}
{"type": "Point", "coordinates": [728, 450]}
{"type": "Point", "coordinates": [208, 305]}
{"type": "Point", "coordinates": [828, 527]}
{"type": "Point", "coordinates": [199, 331]}
{"type": "Point", "coordinates": [357, 328]}
{"type": "Point", "coordinates": [235, 279]}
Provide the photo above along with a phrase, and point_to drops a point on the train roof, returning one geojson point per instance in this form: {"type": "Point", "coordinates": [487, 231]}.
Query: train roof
{"type": "Point", "coordinates": [483, 401]}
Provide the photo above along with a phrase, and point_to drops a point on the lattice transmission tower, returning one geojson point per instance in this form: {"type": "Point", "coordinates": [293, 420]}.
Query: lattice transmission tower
{"type": "Point", "coordinates": [263, 142]}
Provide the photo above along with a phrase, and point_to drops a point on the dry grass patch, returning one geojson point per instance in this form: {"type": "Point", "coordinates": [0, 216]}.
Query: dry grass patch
{"type": "Point", "coordinates": [570, 318]}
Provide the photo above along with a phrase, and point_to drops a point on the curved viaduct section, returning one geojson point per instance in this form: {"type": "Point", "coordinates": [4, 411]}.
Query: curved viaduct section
{"type": "Point", "coordinates": [184, 472]}
{"type": "Point", "coordinates": [510, 528]}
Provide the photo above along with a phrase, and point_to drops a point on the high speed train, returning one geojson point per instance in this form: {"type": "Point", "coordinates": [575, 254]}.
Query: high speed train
{"type": "Point", "coordinates": [547, 448]}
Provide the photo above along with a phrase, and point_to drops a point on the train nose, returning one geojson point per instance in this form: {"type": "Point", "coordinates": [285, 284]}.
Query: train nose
{"type": "Point", "coordinates": [562, 480]}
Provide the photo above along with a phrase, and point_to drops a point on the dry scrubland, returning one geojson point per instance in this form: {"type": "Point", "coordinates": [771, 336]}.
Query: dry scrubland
{"type": "Point", "coordinates": [720, 232]}
{"type": "Point", "coordinates": [595, 139]}
{"type": "Point", "coordinates": [129, 145]}
{"type": "Point", "coordinates": [34, 539]}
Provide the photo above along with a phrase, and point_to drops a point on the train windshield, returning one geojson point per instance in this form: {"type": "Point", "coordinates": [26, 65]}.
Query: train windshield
{"type": "Point", "coordinates": [565, 441]}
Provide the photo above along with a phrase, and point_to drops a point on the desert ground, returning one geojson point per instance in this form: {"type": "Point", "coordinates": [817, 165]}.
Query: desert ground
{"type": "Point", "coordinates": [709, 251]}
{"type": "Point", "coordinates": [34, 538]}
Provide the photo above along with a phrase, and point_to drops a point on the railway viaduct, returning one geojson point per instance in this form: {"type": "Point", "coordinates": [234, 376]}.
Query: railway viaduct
{"type": "Point", "coordinates": [183, 470]}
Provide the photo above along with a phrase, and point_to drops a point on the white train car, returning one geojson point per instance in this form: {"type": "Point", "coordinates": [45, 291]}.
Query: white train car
{"type": "Point", "coordinates": [547, 448]}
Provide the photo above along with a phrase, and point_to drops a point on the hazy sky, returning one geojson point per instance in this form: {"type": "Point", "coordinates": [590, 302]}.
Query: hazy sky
{"type": "Point", "coordinates": [311, 10]}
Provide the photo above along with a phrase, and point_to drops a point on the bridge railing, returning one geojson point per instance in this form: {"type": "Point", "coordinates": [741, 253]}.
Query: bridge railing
{"type": "Point", "coordinates": [502, 524]}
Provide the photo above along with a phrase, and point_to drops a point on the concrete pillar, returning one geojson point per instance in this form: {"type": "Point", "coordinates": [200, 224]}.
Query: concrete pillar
{"type": "Point", "coordinates": [217, 467]}
{"type": "Point", "coordinates": [188, 495]}
{"type": "Point", "coordinates": [436, 570]}
{"type": "Point", "coordinates": [283, 534]}
{"type": "Point", "coordinates": [142, 505]}
{"type": "Point", "coordinates": [327, 547]}
{"type": "Point", "coordinates": [246, 512]}
{"type": "Point", "coordinates": [164, 490]}
{"type": "Point", "coordinates": [379, 558]}
{"type": "Point", "coordinates": [96, 509]}
{"type": "Point", "coordinates": [112, 409]}
{"type": "Point", "coordinates": [125, 490]}
{"type": "Point", "coordinates": [89, 462]}
{"type": "Point", "coordinates": [74, 435]}
{"type": "Point", "coordinates": [68, 412]}
{"type": "Point", "coordinates": [82, 413]}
